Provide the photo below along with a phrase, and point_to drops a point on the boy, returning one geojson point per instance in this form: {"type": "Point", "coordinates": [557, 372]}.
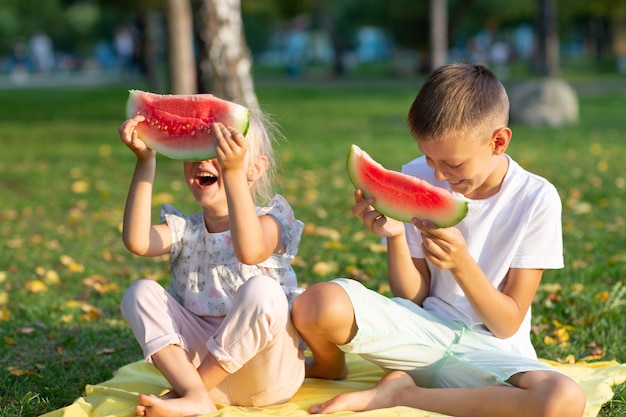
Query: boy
{"type": "Point", "coordinates": [455, 338]}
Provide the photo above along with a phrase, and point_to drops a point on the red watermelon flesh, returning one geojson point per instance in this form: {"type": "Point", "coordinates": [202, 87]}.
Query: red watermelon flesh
{"type": "Point", "coordinates": [180, 126]}
{"type": "Point", "coordinates": [401, 196]}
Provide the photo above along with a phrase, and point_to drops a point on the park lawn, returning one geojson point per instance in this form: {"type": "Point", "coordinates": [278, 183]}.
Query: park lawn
{"type": "Point", "coordinates": [64, 176]}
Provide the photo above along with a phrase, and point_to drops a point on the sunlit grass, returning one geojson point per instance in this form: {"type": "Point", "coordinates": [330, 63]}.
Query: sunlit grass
{"type": "Point", "coordinates": [64, 176]}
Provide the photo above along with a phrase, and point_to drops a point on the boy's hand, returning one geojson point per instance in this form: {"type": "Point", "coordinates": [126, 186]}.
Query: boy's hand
{"type": "Point", "coordinates": [380, 225]}
{"type": "Point", "coordinates": [445, 248]}
{"type": "Point", "coordinates": [128, 134]}
{"type": "Point", "coordinates": [230, 146]}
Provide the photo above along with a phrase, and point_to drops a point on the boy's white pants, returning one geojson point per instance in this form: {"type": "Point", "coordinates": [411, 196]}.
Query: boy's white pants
{"type": "Point", "coordinates": [397, 334]}
{"type": "Point", "coordinates": [255, 342]}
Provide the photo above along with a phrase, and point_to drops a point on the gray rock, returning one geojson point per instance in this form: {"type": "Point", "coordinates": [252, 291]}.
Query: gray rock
{"type": "Point", "coordinates": [547, 102]}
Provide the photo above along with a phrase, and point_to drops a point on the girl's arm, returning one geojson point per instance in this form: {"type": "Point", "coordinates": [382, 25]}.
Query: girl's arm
{"type": "Point", "coordinates": [139, 235]}
{"type": "Point", "coordinates": [254, 238]}
{"type": "Point", "coordinates": [408, 278]}
{"type": "Point", "coordinates": [502, 311]}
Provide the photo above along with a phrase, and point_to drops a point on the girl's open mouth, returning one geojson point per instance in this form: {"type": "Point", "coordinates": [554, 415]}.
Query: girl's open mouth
{"type": "Point", "coordinates": [204, 179]}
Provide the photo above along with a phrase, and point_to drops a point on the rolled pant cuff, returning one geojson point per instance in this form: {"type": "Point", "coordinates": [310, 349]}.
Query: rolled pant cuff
{"type": "Point", "coordinates": [226, 361]}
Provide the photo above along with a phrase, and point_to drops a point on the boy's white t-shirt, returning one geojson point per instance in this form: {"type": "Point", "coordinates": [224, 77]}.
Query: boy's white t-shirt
{"type": "Point", "coordinates": [518, 227]}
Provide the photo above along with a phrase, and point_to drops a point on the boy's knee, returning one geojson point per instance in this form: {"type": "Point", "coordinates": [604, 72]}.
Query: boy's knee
{"type": "Point", "coordinates": [566, 398]}
{"type": "Point", "coordinates": [321, 307]}
{"type": "Point", "coordinates": [572, 398]}
{"type": "Point", "coordinates": [306, 308]}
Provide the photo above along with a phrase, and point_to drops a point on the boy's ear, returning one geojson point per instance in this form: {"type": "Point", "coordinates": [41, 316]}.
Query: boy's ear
{"type": "Point", "coordinates": [257, 168]}
{"type": "Point", "coordinates": [500, 140]}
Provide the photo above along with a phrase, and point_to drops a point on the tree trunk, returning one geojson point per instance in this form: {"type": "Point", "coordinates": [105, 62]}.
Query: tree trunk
{"type": "Point", "coordinates": [151, 50]}
{"type": "Point", "coordinates": [182, 63]}
{"type": "Point", "coordinates": [328, 27]}
{"type": "Point", "coordinates": [225, 63]}
{"type": "Point", "coordinates": [438, 33]}
{"type": "Point", "coordinates": [546, 59]}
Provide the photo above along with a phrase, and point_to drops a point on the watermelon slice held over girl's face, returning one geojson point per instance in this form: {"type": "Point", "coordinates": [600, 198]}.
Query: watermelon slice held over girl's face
{"type": "Point", "coordinates": [401, 196]}
{"type": "Point", "coordinates": [181, 126]}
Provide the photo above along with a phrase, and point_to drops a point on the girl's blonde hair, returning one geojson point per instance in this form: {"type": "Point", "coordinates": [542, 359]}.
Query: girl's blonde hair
{"type": "Point", "coordinates": [261, 136]}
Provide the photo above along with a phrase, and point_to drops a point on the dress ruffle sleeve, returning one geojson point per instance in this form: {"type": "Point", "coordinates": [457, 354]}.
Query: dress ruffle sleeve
{"type": "Point", "coordinates": [292, 230]}
{"type": "Point", "coordinates": [177, 223]}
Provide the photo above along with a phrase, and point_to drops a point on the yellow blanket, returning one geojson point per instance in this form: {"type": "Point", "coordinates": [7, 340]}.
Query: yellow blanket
{"type": "Point", "coordinates": [118, 396]}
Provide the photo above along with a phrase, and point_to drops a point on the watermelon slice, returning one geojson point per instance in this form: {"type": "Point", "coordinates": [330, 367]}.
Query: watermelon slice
{"type": "Point", "coordinates": [401, 196]}
{"type": "Point", "coordinates": [180, 126]}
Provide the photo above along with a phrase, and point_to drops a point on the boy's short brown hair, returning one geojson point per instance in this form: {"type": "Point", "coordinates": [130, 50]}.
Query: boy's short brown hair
{"type": "Point", "coordinates": [458, 99]}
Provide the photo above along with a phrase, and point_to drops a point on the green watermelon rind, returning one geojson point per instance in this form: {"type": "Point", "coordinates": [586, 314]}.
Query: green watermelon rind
{"type": "Point", "coordinates": [356, 155]}
{"type": "Point", "coordinates": [239, 119]}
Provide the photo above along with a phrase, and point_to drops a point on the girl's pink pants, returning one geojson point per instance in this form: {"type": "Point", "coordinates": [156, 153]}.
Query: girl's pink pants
{"type": "Point", "coordinates": [255, 342]}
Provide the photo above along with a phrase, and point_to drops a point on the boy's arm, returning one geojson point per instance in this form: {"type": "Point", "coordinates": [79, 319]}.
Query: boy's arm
{"type": "Point", "coordinates": [408, 277]}
{"type": "Point", "coordinates": [501, 311]}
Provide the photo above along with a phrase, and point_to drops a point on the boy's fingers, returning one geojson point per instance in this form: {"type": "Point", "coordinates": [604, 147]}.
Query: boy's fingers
{"type": "Point", "coordinates": [360, 208]}
{"type": "Point", "coordinates": [424, 226]}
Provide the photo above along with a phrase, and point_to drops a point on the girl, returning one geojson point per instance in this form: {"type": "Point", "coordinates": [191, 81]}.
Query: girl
{"type": "Point", "coordinates": [221, 333]}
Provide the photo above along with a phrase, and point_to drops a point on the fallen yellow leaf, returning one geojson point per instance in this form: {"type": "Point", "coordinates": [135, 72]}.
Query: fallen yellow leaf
{"type": "Point", "coordinates": [35, 286]}
{"type": "Point", "coordinates": [603, 296]}
{"type": "Point", "coordinates": [51, 277]}
{"type": "Point", "coordinates": [15, 371]}
{"type": "Point", "coordinates": [80, 187]}
{"type": "Point", "coordinates": [5, 315]}
{"type": "Point", "coordinates": [324, 268]}
{"type": "Point", "coordinates": [569, 359]}
{"type": "Point", "coordinates": [376, 247]}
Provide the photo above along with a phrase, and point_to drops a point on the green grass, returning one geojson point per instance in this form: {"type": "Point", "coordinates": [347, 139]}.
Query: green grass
{"type": "Point", "coordinates": [64, 176]}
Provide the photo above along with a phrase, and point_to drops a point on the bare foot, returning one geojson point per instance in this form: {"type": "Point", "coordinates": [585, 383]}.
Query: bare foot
{"type": "Point", "coordinates": [382, 395]}
{"type": "Point", "coordinates": [169, 395]}
{"type": "Point", "coordinates": [153, 406]}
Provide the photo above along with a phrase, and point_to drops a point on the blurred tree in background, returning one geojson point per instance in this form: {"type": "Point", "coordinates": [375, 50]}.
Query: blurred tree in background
{"type": "Point", "coordinates": [81, 29]}
{"type": "Point", "coordinates": [182, 61]}
{"type": "Point", "coordinates": [225, 62]}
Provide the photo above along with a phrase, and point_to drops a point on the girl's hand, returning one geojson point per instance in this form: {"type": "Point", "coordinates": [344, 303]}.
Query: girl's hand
{"type": "Point", "coordinates": [230, 146]}
{"type": "Point", "coordinates": [445, 248]}
{"type": "Point", "coordinates": [380, 225]}
{"type": "Point", "coordinates": [128, 134]}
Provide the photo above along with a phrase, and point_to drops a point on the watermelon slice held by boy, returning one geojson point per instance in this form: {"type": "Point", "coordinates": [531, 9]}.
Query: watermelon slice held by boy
{"type": "Point", "coordinates": [179, 126]}
{"type": "Point", "coordinates": [401, 196]}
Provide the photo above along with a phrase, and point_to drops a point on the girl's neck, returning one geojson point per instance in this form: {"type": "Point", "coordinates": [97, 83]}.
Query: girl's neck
{"type": "Point", "coordinates": [216, 222]}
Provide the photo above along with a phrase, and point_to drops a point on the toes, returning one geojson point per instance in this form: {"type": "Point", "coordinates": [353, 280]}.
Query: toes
{"type": "Point", "coordinates": [147, 400]}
